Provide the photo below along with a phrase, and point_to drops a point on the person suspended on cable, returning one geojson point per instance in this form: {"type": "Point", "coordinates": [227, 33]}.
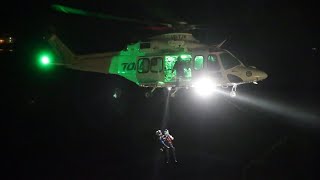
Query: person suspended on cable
{"type": "Point", "coordinates": [169, 142]}
{"type": "Point", "coordinates": [163, 145]}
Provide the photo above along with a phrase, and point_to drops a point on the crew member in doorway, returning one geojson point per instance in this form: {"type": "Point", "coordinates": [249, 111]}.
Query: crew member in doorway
{"type": "Point", "coordinates": [179, 67]}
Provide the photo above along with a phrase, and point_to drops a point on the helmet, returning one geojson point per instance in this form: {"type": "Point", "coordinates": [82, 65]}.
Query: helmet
{"type": "Point", "coordinates": [158, 132]}
{"type": "Point", "coordinates": [166, 131]}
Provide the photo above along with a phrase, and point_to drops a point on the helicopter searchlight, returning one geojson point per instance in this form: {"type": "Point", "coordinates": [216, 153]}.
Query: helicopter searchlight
{"type": "Point", "coordinates": [205, 86]}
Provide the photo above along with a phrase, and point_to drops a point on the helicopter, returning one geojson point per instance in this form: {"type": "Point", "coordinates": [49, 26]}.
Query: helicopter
{"type": "Point", "coordinates": [151, 63]}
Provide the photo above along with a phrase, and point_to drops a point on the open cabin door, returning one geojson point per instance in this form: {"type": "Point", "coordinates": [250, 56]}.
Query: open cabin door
{"type": "Point", "coordinates": [170, 73]}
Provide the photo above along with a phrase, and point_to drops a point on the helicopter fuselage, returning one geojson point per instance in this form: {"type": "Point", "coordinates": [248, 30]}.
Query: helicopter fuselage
{"type": "Point", "coordinates": [151, 63]}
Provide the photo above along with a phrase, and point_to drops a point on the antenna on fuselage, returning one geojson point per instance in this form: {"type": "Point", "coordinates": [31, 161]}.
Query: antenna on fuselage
{"type": "Point", "coordinates": [219, 45]}
{"type": "Point", "coordinates": [228, 38]}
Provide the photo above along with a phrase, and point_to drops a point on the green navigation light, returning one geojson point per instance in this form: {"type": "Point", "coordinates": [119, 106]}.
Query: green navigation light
{"type": "Point", "coordinates": [45, 60]}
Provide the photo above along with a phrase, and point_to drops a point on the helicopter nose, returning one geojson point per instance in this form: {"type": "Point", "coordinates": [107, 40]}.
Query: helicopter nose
{"type": "Point", "coordinates": [261, 75]}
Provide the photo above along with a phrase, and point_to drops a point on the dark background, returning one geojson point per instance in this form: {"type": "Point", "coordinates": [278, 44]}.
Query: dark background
{"type": "Point", "coordinates": [64, 124]}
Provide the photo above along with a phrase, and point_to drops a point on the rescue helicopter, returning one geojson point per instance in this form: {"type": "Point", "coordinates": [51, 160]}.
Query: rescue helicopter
{"type": "Point", "coordinates": [152, 63]}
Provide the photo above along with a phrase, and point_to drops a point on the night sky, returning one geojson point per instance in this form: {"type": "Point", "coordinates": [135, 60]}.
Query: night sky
{"type": "Point", "coordinates": [64, 124]}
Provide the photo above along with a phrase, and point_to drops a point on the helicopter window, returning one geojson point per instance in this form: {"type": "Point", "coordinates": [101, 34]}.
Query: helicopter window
{"type": "Point", "coordinates": [198, 62]}
{"type": "Point", "coordinates": [156, 64]}
{"type": "Point", "coordinates": [143, 65]}
{"type": "Point", "coordinates": [145, 45]}
{"type": "Point", "coordinates": [213, 63]}
{"type": "Point", "coordinates": [228, 61]}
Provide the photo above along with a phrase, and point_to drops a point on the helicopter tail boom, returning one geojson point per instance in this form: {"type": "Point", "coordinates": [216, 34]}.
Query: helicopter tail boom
{"type": "Point", "coordinates": [97, 62]}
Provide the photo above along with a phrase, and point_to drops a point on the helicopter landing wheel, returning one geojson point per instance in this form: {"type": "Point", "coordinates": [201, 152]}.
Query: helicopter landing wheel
{"type": "Point", "coordinates": [117, 93]}
{"type": "Point", "coordinates": [233, 94]}
{"type": "Point", "coordinates": [233, 91]}
{"type": "Point", "coordinates": [148, 94]}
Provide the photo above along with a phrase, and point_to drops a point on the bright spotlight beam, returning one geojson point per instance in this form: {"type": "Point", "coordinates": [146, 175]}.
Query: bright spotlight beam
{"type": "Point", "coordinates": [301, 115]}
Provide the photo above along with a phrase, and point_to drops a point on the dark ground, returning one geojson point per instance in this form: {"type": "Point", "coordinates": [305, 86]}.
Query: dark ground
{"type": "Point", "coordinates": [64, 124]}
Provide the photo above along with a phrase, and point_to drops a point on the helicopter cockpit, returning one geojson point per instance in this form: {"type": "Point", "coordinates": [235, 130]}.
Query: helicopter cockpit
{"type": "Point", "coordinates": [229, 61]}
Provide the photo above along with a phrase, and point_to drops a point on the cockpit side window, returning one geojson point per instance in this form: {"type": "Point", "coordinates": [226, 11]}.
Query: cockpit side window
{"type": "Point", "coordinates": [156, 64]}
{"type": "Point", "coordinates": [145, 45]}
{"type": "Point", "coordinates": [143, 65]}
{"type": "Point", "coordinates": [213, 63]}
{"type": "Point", "coordinates": [228, 61]}
{"type": "Point", "coordinates": [198, 63]}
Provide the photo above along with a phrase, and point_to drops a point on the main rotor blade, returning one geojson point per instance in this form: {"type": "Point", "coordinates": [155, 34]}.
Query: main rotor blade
{"type": "Point", "coordinates": [70, 10]}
